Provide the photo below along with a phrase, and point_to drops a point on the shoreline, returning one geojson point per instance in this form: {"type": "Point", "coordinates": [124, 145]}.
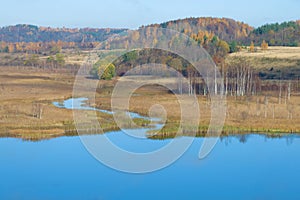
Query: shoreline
{"type": "Point", "coordinates": [34, 136]}
{"type": "Point", "coordinates": [38, 133]}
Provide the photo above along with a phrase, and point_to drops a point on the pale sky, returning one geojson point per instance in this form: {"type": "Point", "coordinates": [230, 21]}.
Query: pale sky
{"type": "Point", "coordinates": [134, 13]}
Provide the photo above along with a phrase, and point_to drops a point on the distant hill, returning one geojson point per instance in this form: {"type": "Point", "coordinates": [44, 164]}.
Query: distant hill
{"type": "Point", "coordinates": [229, 30]}
{"type": "Point", "coordinates": [226, 29]}
{"type": "Point", "coordinates": [31, 33]}
{"type": "Point", "coordinates": [276, 34]}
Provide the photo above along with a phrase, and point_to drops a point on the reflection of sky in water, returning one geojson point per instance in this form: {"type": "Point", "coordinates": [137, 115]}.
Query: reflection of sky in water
{"type": "Point", "coordinates": [78, 104]}
{"type": "Point", "coordinates": [260, 168]}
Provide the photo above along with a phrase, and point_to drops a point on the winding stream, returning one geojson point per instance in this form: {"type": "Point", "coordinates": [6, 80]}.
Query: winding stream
{"type": "Point", "coordinates": [122, 137]}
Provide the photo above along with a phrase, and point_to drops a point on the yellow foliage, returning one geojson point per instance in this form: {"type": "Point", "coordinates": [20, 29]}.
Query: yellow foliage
{"type": "Point", "coordinates": [264, 45]}
{"type": "Point", "coordinates": [252, 47]}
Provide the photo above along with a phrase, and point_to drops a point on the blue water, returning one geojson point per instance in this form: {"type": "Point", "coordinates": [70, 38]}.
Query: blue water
{"type": "Point", "coordinates": [79, 104]}
{"type": "Point", "coordinates": [239, 167]}
{"type": "Point", "coordinates": [61, 168]}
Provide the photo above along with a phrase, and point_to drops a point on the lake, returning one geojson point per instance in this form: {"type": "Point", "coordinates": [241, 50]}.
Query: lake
{"type": "Point", "coordinates": [240, 167]}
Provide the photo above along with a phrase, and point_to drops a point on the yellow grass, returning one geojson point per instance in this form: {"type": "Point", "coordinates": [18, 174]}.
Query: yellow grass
{"type": "Point", "coordinates": [272, 52]}
{"type": "Point", "coordinates": [20, 89]}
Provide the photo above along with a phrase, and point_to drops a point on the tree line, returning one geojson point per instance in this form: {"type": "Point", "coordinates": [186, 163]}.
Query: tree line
{"type": "Point", "coordinates": [276, 34]}
{"type": "Point", "coordinates": [30, 33]}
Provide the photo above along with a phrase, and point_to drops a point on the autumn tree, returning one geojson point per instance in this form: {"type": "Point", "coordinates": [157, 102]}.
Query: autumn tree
{"type": "Point", "coordinates": [11, 48]}
{"type": "Point", "coordinates": [252, 47]}
{"type": "Point", "coordinates": [55, 49]}
{"type": "Point", "coordinates": [135, 35]}
{"type": "Point", "coordinates": [32, 47]}
{"type": "Point", "coordinates": [19, 46]}
{"type": "Point", "coordinates": [223, 48]}
{"type": "Point", "coordinates": [264, 45]}
{"type": "Point", "coordinates": [106, 72]}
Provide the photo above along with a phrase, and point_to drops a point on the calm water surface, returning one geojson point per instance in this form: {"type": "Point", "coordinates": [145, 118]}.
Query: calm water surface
{"type": "Point", "coordinates": [240, 167]}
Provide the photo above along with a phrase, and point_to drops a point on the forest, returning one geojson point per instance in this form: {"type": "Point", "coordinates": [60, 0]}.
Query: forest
{"type": "Point", "coordinates": [31, 33]}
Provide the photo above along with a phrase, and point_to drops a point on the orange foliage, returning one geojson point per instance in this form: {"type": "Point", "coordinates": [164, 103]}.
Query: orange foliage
{"type": "Point", "coordinates": [264, 45]}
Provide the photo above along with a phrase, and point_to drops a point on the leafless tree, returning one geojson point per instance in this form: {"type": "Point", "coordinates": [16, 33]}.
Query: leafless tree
{"type": "Point", "coordinates": [37, 110]}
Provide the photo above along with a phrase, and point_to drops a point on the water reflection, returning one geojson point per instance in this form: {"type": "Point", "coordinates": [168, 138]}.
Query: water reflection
{"type": "Point", "coordinates": [226, 139]}
{"type": "Point", "coordinates": [244, 138]}
{"type": "Point", "coordinates": [241, 166]}
{"type": "Point", "coordinates": [254, 166]}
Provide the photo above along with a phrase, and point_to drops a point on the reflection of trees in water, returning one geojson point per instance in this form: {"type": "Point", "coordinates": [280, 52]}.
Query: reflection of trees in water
{"type": "Point", "coordinates": [228, 139]}
{"type": "Point", "coordinates": [288, 137]}
{"type": "Point", "coordinates": [289, 140]}
{"type": "Point", "coordinates": [243, 138]}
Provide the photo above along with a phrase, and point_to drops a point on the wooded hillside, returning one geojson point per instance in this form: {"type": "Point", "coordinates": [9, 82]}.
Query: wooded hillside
{"type": "Point", "coordinates": [31, 33]}
{"type": "Point", "coordinates": [226, 29]}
